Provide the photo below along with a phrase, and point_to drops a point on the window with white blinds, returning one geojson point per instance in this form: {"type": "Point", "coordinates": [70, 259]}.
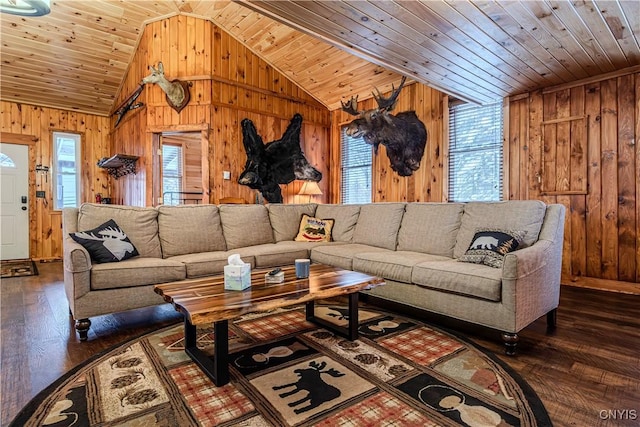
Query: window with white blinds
{"type": "Point", "coordinates": [475, 152]}
{"type": "Point", "coordinates": [356, 170]}
{"type": "Point", "coordinates": [171, 174]}
{"type": "Point", "coordinates": [66, 170]}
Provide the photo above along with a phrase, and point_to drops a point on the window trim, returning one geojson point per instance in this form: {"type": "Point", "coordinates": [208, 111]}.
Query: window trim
{"type": "Point", "coordinates": [78, 136]}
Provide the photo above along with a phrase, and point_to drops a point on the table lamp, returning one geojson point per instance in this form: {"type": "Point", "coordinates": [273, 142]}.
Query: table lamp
{"type": "Point", "coordinates": [310, 188]}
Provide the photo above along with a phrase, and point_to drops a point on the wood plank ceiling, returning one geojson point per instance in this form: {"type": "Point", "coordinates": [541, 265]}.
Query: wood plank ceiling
{"type": "Point", "coordinates": [76, 57]}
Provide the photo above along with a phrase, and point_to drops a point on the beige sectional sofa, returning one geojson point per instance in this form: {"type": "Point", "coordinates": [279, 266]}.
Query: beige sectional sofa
{"type": "Point", "coordinates": [415, 246]}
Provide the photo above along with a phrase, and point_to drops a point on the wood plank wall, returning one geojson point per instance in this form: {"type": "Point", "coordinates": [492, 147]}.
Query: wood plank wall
{"type": "Point", "coordinates": [575, 145]}
{"type": "Point", "coordinates": [38, 124]}
{"type": "Point", "coordinates": [230, 83]}
{"type": "Point", "coordinates": [578, 145]}
{"type": "Point", "coordinates": [426, 184]}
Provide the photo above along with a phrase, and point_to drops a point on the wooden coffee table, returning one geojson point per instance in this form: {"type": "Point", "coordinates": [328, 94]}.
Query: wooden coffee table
{"type": "Point", "coordinates": [204, 301]}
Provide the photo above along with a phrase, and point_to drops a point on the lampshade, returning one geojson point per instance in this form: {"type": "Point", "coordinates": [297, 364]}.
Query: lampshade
{"type": "Point", "coordinates": [26, 7]}
{"type": "Point", "coordinates": [310, 188]}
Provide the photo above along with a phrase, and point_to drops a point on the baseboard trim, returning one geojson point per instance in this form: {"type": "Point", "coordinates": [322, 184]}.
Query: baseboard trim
{"type": "Point", "coordinates": [602, 284]}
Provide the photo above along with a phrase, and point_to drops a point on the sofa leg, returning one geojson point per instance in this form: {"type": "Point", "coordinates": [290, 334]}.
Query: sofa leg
{"type": "Point", "coordinates": [510, 343]}
{"type": "Point", "coordinates": [82, 326]}
{"type": "Point", "coordinates": [552, 318]}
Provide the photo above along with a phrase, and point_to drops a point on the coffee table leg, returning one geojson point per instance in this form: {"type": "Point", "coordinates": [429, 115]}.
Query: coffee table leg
{"type": "Point", "coordinates": [218, 368]}
{"type": "Point", "coordinates": [351, 331]}
{"type": "Point", "coordinates": [353, 316]}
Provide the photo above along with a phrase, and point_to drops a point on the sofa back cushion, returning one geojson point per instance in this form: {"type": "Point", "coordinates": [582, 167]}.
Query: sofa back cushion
{"type": "Point", "coordinates": [378, 224]}
{"type": "Point", "coordinates": [189, 229]}
{"type": "Point", "coordinates": [345, 218]}
{"type": "Point", "coordinates": [430, 228]}
{"type": "Point", "coordinates": [516, 215]}
{"type": "Point", "coordinates": [140, 224]}
{"type": "Point", "coordinates": [285, 219]}
{"type": "Point", "coordinates": [245, 225]}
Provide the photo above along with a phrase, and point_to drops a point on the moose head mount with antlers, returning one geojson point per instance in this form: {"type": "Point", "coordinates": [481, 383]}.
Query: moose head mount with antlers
{"type": "Point", "coordinates": [176, 91]}
{"type": "Point", "coordinates": [403, 134]}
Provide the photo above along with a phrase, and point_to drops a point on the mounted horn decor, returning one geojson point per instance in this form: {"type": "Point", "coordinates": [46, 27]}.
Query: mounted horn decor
{"type": "Point", "coordinates": [404, 135]}
{"type": "Point", "coordinates": [274, 163]}
{"type": "Point", "coordinates": [128, 105]}
{"type": "Point", "coordinates": [176, 91]}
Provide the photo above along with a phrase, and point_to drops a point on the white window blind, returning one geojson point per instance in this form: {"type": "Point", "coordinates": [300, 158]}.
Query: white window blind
{"type": "Point", "coordinates": [66, 170]}
{"type": "Point", "coordinates": [171, 174]}
{"type": "Point", "coordinates": [475, 152]}
{"type": "Point", "coordinates": [356, 170]}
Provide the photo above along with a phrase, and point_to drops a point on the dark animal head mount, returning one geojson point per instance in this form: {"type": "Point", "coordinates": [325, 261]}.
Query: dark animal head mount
{"type": "Point", "coordinates": [403, 134]}
{"type": "Point", "coordinates": [274, 163]}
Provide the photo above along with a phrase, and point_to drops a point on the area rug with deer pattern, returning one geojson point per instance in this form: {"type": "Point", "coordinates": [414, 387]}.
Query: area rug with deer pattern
{"type": "Point", "coordinates": [286, 371]}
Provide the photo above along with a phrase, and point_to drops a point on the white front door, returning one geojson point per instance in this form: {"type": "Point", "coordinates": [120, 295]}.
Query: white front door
{"type": "Point", "coordinates": [14, 206]}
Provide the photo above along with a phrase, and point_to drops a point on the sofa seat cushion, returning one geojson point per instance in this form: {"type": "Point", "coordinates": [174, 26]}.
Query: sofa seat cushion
{"type": "Point", "coordinates": [272, 255]}
{"type": "Point", "coordinates": [475, 280]}
{"type": "Point", "coordinates": [394, 266]}
{"type": "Point", "coordinates": [378, 224]}
{"type": "Point", "coordinates": [207, 263]}
{"type": "Point", "coordinates": [285, 219]}
{"type": "Point", "coordinates": [342, 255]}
{"type": "Point", "coordinates": [189, 229]}
{"type": "Point", "coordinates": [137, 271]}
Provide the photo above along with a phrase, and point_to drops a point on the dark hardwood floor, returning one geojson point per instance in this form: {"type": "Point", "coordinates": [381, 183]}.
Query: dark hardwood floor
{"type": "Point", "coordinates": [587, 372]}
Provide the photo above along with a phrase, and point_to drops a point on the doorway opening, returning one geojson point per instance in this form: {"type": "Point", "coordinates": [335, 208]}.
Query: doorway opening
{"type": "Point", "coordinates": [181, 168]}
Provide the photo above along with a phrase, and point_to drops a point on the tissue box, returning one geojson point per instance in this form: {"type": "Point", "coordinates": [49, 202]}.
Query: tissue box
{"type": "Point", "coordinates": [237, 277]}
{"type": "Point", "coordinates": [276, 278]}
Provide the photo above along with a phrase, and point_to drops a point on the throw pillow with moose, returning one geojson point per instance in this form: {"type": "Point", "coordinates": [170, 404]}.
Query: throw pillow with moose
{"type": "Point", "coordinates": [106, 243]}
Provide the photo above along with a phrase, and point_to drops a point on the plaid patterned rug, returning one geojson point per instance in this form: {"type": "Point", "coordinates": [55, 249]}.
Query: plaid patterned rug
{"type": "Point", "coordinates": [288, 372]}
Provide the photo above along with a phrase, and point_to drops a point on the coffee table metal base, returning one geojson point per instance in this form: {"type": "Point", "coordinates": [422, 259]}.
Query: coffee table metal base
{"type": "Point", "coordinates": [351, 331]}
{"type": "Point", "coordinates": [217, 368]}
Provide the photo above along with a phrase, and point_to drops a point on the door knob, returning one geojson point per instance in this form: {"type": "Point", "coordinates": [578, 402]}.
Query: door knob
{"type": "Point", "coordinates": [24, 208]}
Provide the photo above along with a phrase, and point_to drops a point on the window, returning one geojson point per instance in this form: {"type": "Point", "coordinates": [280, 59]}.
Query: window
{"type": "Point", "coordinates": [475, 152]}
{"type": "Point", "coordinates": [171, 174]}
{"type": "Point", "coordinates": [66, 170]}
{"type": "Point", "coordinates": [6, 161]}
{"type": "Point", "coordinates": [356, 170]}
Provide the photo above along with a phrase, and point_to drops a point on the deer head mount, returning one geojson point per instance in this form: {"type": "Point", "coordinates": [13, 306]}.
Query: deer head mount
{"type": "Point", "coordinates": [176, 91]}
{"type": "Point", "coordinates": [403, 134]}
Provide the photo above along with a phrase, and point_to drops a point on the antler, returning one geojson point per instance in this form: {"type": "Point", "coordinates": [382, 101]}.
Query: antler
{"type": "Point", "coordinates": [113, 232]}
{"type": "Point", "coordinates": [351, 106]}
{"type": "Point", "coordinates": [333, 373]}
{"type": "Point", "coordinates": [387, 104]}
{"type": "Point", "coordinates": [87, 236]}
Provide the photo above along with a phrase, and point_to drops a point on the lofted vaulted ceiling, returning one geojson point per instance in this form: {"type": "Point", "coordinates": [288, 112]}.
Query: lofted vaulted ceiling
{"type": "Point", "coordinates": [76, 57]}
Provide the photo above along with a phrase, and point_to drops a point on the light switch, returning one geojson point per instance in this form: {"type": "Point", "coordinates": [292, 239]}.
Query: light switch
{"type": "Point", "coordinates": [226, 174]}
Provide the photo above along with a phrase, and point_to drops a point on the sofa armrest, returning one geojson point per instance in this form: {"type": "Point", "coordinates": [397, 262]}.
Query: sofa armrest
{"type": "Point", "coordinates": [76, 259]}
{"type": "Point", "coordinates": [527, 261]}
{"type": "Point", "coordinates": [531, 276]}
